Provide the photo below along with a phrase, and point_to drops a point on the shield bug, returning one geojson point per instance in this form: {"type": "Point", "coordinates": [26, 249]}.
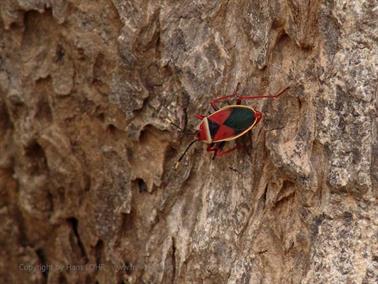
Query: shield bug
{"type": "Point", "coordinates": [227, 123]}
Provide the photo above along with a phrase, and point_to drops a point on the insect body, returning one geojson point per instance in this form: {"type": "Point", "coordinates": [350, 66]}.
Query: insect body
{"type": "Point", "coordinates": [228, 123]}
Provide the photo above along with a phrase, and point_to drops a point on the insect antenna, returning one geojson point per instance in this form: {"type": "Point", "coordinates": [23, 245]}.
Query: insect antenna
{"type": "Point", "coordinates": [183, 154]}
{"type": "Point", "coordinates": [180, 128]}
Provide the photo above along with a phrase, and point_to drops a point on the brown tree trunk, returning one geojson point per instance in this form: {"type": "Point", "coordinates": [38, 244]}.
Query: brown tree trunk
{"type": "Point", "coordinates": [90, 93]}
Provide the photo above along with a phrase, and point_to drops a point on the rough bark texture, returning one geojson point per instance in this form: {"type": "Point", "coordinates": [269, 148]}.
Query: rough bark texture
{"type": "Point", "coordinates": [88, 91]}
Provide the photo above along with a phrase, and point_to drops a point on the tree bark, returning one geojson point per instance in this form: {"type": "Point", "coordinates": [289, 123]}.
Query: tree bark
{"type": "Point", "coordinates": [96, 104]}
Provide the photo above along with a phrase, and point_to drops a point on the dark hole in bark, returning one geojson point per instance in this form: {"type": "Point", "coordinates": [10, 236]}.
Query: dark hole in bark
{"type": "Point", "coordinates": [263, 197]}
{"type": "Point", "coordinates": [37, 157]}
{"type": "Point", "coordinates": [141, 185]}
{"type": "Point", "coordinates": [128, 267]}
{"type": "Point", "coordinates": [173, 260]}
{"type": "Point", "coordinates": [128, 221]}
{"type": "Point", "coordinates": [111, 129]}
{"type": "Point", "coordinates": [316, 223]}
{"type": "Point", "coordinates": [99, 251]}
{"type": "Point", "coordinates": [34, 150]}
{"type": "Point", "coordinates": [23, 240]}
{"type": "Point", "coordinates": [101, 116]}
{"type": "Point", "coordinates": [88, 183]}
{"type": "Point", "coordinates": [74, 223]}
{"type": "Point", "coordinates": [43, 262]}
{"type": "Point", "coordinates": [5, 122]}
{"type": "Point", "coordinates": [59, 53]}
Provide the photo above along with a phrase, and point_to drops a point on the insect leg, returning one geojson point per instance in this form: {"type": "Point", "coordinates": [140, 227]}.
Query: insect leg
{"type": "Point", "coordinates": [219, 149]}
{"type": "Point", "coordinates": [199, 116]}
{"type": "Point", "coordinates": [279, 93]}
{"type": "Point", "coordinates": [211, 148]}
{"type": "Point", "coordinates": [215, 147]}
{"type": "Point", "coordinates": [215, 101]}
{"type": "Point", "coordinates": [221, 153]}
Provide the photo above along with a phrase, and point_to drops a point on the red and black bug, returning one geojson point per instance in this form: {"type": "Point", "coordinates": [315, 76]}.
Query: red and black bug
{"type": "Point", "coordinates": [228, 123]}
